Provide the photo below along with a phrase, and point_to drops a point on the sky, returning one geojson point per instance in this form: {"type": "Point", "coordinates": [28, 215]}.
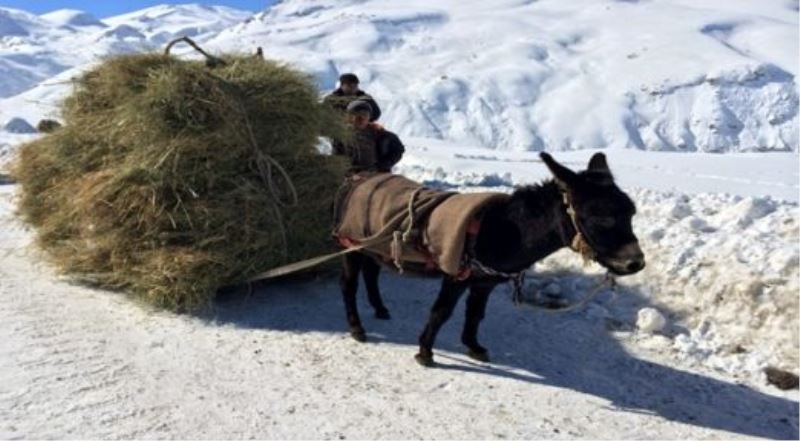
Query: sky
{"type": "Point", "coordinates": [107, 8]}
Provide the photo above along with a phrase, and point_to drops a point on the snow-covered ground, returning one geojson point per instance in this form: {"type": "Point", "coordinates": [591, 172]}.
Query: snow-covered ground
{"type": "Point", "coordinates": [722, 270]}
{"type": "Point", "coordinates": [76, 362]}
{"type": "Point", "coordinates": [473, 87]}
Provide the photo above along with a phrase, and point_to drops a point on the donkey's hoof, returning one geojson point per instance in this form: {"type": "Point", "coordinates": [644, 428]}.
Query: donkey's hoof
{"type": "Point", "coordinates": [479, 355]}
{"type": "Point", "coordinates": [358, 335]}
{"type": "Point", "coordinates": [424, 360]}
{"type": "Point", "coordinates": [382, 314]}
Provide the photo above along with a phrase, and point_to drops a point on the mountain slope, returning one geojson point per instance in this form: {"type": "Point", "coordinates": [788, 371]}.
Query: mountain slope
{"type": "Point", "coordinates": [677, 75]}
{"type": "Point", "coordinates": [510, 74]}
{"type": "Point", "coordinates": [72, 17]}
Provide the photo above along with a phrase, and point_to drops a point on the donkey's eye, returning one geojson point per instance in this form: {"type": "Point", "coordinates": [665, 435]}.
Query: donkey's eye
{"type": "Point", "coordinates": [604, 221]}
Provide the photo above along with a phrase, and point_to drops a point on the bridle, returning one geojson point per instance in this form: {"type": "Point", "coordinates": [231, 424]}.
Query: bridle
{"type": "Point", "coordinates": [581, 243]}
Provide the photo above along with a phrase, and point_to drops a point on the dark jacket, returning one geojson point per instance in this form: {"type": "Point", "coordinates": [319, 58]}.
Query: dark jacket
{"type": "Point", "coordinates": [339, 101]}
{"type": "Point", "coordinates": [371, 149]}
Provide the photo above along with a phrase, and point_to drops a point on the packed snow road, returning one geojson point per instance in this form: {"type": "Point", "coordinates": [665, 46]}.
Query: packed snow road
{"type": "Point", "coordinates": [81, 363]}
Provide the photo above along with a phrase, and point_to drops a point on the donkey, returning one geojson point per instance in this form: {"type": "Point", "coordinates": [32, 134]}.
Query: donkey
{"type": "Point", "coordinates": [585, 211]}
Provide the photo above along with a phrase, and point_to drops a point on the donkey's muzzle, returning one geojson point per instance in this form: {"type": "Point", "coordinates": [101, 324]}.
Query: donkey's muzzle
{"type": "Point", "coordinates": [628, 260]}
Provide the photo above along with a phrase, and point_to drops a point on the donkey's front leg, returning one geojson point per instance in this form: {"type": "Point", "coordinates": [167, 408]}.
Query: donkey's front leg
{"type": "Point", "coordinates": [441, 311]}
{"type": "Point", "coordinates": [476, 308]}
{"type": "Point", "coordinates": [351, 266]}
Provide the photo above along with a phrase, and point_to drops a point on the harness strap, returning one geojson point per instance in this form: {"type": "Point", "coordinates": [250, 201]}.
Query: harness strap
{"type": "Point", "coordinates": [580, 243]}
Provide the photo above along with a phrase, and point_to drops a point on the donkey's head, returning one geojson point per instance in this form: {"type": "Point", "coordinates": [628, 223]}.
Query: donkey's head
{"type": "Point", "coordinates": [602, 214]}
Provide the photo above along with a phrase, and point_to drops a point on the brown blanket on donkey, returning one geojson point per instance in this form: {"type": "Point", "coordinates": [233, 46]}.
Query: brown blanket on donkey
{"type": "Point", "coordinates": [436, 234]}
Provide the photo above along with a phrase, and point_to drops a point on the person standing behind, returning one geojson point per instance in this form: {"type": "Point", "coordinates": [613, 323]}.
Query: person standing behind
{"type": "Point", "coordinates": [372, 148]}
{"type": "Point", "coordinates": [348, 92]}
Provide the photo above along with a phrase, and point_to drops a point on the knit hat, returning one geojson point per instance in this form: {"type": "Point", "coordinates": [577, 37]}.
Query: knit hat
{"type": "Point", "coordinates": [348, 78]}
{"type": "Point", "coordinates": [359, 106]}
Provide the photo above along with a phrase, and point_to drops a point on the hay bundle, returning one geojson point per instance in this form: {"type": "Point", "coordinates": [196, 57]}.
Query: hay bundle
{"type": "Point", "coordinates": [170, 179]}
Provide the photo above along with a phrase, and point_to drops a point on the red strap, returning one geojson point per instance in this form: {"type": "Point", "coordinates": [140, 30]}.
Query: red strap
{"type": "Point", "coordinates": [474, 226]}
{"type": "Point", "coordinates": [430, 264]}
{"type": "Point", "coordinates": [347, 242]}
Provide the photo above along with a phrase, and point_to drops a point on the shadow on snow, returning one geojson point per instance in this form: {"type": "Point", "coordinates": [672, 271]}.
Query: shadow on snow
{"type": "Point", "coordinates": [570, 350]}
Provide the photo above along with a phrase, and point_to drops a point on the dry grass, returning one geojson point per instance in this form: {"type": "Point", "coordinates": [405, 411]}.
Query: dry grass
{"type": "Point", "coordinates": [170, 179]}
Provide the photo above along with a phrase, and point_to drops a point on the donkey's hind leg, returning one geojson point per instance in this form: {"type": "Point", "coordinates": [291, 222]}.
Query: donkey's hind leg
{"type": "Point", "coordinates": [371, 271]}
{"type": "Point", "coordinates": [351, 265]}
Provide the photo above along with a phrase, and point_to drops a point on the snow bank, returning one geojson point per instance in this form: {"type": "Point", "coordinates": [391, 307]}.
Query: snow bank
{"type": "Point", "coordinates": [723, 270]}
{"type": "Point", "coordinates": [728, 266]}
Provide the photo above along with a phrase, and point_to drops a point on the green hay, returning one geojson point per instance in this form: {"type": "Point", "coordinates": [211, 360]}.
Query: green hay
{"type": "Point", "coordinates": [167, 178]}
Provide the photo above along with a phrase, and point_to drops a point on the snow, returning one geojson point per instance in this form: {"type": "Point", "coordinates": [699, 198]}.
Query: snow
{"type": "Point", "coordinates": [717, 77]}
{"type": "Point", "coordinates": [72, 17]}
{"type": "Point", "coordinates": [512, 75]}
{"type": "Point", "coordinates": [696, 105]}
{"type": "Point", "coordinates": [9, 26]}
{"type": "Point", "coordinates": [746, 174]}
{"type": "Point", "coordinates": [278, 364]}
{"type": "Point", "coordinates": [162, 23]}
{"type": "Point", "coordinates": [722, 270]}
{"type": "Point", "coordinates": [35, 48]}
{"type": "Point", "coordinates": [650, 320]}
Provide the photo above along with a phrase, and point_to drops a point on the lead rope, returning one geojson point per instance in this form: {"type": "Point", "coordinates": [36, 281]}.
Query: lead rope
{"type": "Point", "coordinates": [518, 281]}
{"type": "Point", "coordinates": [608, 282]}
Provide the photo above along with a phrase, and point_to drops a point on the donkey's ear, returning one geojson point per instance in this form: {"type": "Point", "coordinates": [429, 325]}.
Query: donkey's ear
{"type": "Point", "coordinates": [598, 163]}
{"type": "Point", "coordinates": [564, 176]}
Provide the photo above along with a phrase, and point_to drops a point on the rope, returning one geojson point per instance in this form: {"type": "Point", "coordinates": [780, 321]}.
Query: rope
{"type": "Point", "coordinates": [608, 282]}
{"type": "Point", "coordinates": [383, 236]}
{"type": "Point", "coordinates": [314, 261]}
{"type": "Point", "coordinates": [265, 164]}
{"type": "Point", "coordinates": [398, 238]}
{"type": "Point", "coordinates": [211, 61]}
{"type": "Point", "coordinates": [579, 243]}
{"type": "Point", "coordinates": [518, 280]}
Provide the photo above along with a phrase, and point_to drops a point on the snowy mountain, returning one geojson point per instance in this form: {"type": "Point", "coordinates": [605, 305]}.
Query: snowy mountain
{"type": "Point", "coordinates": [659, 75]}
{"type": "Point", "coordinates": [712, 75]}
{"type": "Point", "coordinates": [73, 18]}
{"type": "Point", "coordinates": [35, 48]}
{"type": "Point", "coordinates": [163, 23]}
